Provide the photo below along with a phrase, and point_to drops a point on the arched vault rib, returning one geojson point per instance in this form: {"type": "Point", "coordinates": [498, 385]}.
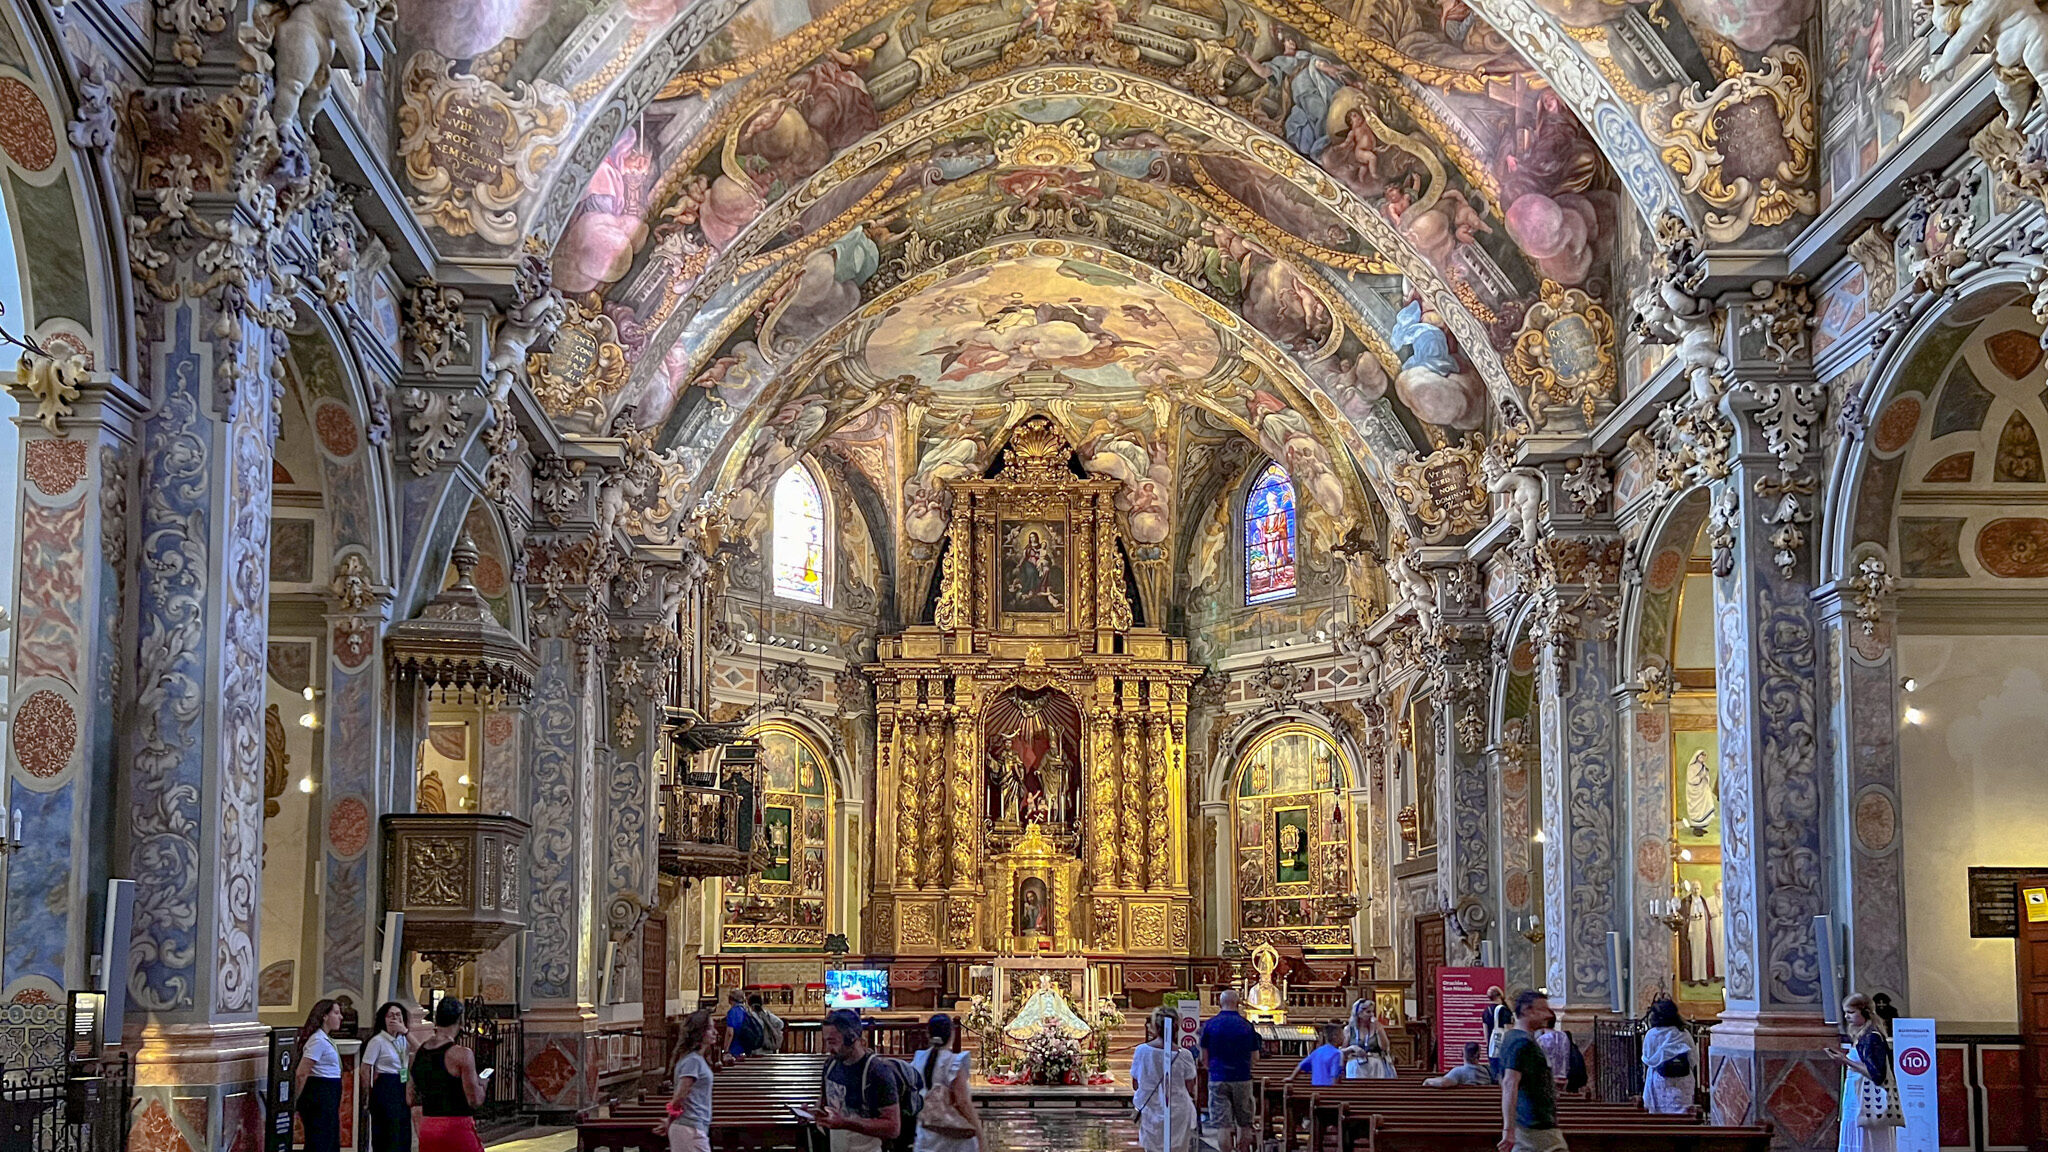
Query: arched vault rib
{"type": "Point", "coordinates": [1371, 450]}
{"type": "Point", "coordinates": [1138, 94]}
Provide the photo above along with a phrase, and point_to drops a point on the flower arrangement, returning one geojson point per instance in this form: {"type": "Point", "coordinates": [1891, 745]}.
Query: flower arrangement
{"type": "Point", "coordinates": [1052, 1058]}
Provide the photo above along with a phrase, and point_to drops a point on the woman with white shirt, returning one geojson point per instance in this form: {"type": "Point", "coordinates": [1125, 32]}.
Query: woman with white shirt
{"type": "Point", "coordinates": [949, 1122]}
{"type": "Point", "coordinates": [316, 1083]}
{"type": "Point", "coordinates": [1162, 1089]}
{"type": "Point", "coordinates": [386, 1059]}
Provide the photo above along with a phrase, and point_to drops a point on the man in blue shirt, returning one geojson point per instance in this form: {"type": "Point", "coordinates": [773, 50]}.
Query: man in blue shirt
{"type": "Point", "coordinates": [736, 1020]}
{"type": "Point", "coordinates": [1528, 1095]}
{"type": "Point", "coordinates": [1229, 1041]}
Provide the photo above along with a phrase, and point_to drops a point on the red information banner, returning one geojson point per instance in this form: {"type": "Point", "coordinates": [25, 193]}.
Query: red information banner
{"type": "Point", "coordinates": [1461, 1011]}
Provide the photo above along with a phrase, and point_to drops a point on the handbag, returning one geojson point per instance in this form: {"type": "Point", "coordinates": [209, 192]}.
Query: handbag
{"type": "Point", "coordinates": [1878, 1107]}
{"type": "Point", "coordinates": [939, 1115]}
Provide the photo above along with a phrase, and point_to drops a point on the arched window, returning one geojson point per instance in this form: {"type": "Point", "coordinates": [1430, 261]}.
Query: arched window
{"type": "Point", "coordinates": [799, 546]}
{"type": "Point", "coordinates": [1269, 537]}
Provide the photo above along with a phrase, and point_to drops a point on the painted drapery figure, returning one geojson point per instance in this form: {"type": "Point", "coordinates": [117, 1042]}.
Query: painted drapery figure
{"type": "Point", "coordinates": [1034, 750]}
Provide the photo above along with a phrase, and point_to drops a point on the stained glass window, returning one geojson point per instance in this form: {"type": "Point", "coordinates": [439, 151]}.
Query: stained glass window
{"type": "Point", "coordinates": [799, 548]}
{"type": "Point", "coordinates": [1269, 537]}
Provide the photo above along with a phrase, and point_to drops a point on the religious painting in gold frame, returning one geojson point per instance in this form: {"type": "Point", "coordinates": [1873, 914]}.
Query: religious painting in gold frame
{"type": "Point", "coordinates": [783, 907]}
{"type": "Point", "coordinates": [1294, 843]}
{"type": "Point", "coordinates": [1034, 567]}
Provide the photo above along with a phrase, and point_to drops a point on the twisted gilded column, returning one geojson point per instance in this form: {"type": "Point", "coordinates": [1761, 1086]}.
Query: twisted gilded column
{"type": "Point", "coordinates": [910, 775]}
{"type": "Point", "coordinates": [1102, 802]}
{"type": "Point", "coordinates": [1130, 774]}
{"type": "Point", "coordinates": [966, 814]}
{"type": "Point", "coordinates": [1158, 803]}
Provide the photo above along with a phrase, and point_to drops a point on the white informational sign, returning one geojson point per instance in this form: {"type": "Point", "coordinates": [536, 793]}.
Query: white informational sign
{"type": "Point", "coordinates": [1913, 1056]}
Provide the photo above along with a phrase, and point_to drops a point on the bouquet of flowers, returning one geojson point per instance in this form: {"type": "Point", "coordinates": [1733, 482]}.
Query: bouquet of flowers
{"type": "Point", "coordinates": [980, 1019]}
{"type": "Point", "coordinates": [1052, 1058]}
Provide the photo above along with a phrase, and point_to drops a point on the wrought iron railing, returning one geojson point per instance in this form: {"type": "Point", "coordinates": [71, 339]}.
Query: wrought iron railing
{"type": "Point", "coordinates": [1618, 1059]}
{"type": "Point", "coordinates": [498, 1037]}
{"type": "Point", "coordinates": [66, 1108]}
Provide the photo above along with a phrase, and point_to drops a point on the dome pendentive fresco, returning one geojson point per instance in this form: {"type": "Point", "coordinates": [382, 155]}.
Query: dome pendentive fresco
{"type": "Point", "coordinates": [1038, 510]}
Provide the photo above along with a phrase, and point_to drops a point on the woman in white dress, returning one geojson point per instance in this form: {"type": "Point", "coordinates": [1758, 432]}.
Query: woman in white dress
{"type": "Point", "coordinates": [1670, 1066]}
{"type": "Point", "coordinates": [1162, 1089]}
{"type": "Point", "coordinates": [949, 1122]}
{"type": "Point", "coordinates": [1869, 1064]}
{"type": "Point", "coordinates": [1365, 1044]}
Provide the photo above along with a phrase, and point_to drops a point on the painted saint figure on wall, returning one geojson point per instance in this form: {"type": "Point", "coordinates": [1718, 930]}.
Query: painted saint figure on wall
{"type": "Point", "coordinates": [1034, 750]}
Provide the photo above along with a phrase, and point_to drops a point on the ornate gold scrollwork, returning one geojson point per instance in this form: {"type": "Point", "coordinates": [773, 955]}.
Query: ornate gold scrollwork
{"type": "Point", "coordinates": [1443, 489]}
{"type": "Point", "coordinates": [1564, 353]}
{"type": "Point", "coordinates": [1759, 187]}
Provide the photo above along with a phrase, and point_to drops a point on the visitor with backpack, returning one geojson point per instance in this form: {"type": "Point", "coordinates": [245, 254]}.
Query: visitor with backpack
{"type": "Point", "coordinates": [743, 1026]}
{"type": "Point", "coordinates": [1668, 1059]}
{"type": "Point", "coordinates": [859, 1103]}
{"type": "Point", "coordinates": [910, 1084]}
{"type": "Point", "coordinates": [772, 1026]}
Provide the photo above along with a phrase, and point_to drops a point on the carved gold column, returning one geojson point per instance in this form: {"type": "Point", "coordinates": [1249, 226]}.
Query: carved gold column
{"type": "Point", "coordinates": [1130, 780]}
{"type": "Point", "coordinates": [966, 798]}
{"type": "Point", "coordinates": [1102, 801]}
{"type": "Point", "coordinates": [931, 862]}
{"type": "Point", "coordinates": [910, 756]}
{"type": "Point", "coordinates": [1158, 799]}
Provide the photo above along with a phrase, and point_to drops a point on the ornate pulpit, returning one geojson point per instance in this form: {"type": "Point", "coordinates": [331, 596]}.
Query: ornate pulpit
{"type": "Point", "coordinates": [1032, 740]}
{"type": "Point", "coordinates": [461, 882]}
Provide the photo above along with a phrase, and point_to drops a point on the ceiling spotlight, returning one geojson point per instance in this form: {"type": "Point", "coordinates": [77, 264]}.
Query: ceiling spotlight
{"type": "Point", "coordinates": [1915, 716]}
{"type": "Point", "coordinates": [306, 784]}
{"type": "Point", "coordinates": [1909, 684]}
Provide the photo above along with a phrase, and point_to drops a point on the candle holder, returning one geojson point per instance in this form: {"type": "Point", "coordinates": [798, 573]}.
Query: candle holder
{"type": "Point", "coordinates": [1531, 929]}
{"type": "Point", "coordinates": [10, 835]}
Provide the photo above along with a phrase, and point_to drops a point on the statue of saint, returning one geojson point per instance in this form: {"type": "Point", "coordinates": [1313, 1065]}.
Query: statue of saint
{"type": "Point", "coordinates": [1052, 772]}
{"type": "Point", "coordinates": [1701, 800]}
{"type": "Point", "coordinates": [1010, 784]}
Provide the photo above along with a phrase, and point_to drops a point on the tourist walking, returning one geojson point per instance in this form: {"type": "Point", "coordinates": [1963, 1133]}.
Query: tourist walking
{"type": "Point", "coordinates": [689, 1110]}
{"type": "Point", "coordinates": [858, 1103]}
{"type": "Point", "coordinates": [1326, 1063]}
{"type": "Point", "coordinates": [949, 1121]}
{"type": "Point", "coordinates": [1670, 1066]}
{"type": "Point", "coordinates": [1163, 1088]}
{"type": "Point", "coordinates": [385, 1065]}
{"type": "Point", "coordinates": [316, 1083]}
{"type": "Point", "coordinates": [445, 1085]}
{"type": "Point", "coordinates": [1499, 1020]}
{"type": "Point", "coordinates": [1365, 1044]}
{"type": "Point", "coordinates": [772, 1026]}
{"type": "Point", "coordinates": [1871, 1118]}
{"type": "Point", "coordinates": [1528, 1094]}
{"type": "Point", "coordinates": [743, 1029]}
{"type": "Point", "coordinates": [1229, 1041]}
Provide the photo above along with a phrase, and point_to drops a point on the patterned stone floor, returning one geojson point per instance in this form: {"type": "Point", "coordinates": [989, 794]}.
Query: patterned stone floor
{"type": "Point", "coordinates": [1054, 1130]}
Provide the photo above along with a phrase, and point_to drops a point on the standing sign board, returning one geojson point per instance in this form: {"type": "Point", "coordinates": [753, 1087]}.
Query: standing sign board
{"type": "Point", "coordinates": [1461, 1011]}
{"type": "Point", "coordinates": [1913, 1055]}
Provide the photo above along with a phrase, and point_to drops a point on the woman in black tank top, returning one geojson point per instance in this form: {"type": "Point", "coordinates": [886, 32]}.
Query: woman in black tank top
{"type": "Point", "coordinates": [446, 1086]}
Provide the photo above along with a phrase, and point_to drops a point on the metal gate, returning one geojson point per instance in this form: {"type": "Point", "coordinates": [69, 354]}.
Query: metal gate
{"type": "Point", "coordinates": [66, 1108]}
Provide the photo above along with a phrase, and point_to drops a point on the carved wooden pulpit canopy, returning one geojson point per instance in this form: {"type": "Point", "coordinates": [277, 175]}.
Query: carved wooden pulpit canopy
{"type": "Point", "coordinates": [1031, 739]}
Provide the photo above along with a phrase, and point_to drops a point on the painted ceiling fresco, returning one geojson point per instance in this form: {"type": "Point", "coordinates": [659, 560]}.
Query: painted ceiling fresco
{"type": "Point", "coordinates": [1384, 219]}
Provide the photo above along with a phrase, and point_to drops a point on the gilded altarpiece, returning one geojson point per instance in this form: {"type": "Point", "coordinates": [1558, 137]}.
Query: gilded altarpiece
{"type": "Point", "coordinates": [1032, 743]}
{"type": "Point", "coordinates": [782, 907]}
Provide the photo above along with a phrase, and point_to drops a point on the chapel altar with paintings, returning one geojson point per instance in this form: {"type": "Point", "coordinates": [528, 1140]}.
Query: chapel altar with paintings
{"type": "Point", "coordinates": [1031, 739]}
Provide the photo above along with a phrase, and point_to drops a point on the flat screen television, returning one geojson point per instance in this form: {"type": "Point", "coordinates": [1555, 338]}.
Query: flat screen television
{"type": "Point", "coordinates": [863, 988]}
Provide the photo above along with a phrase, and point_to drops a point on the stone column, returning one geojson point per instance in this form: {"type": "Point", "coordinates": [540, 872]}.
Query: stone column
{"type": "Point", "coordinates": [194, 738]}
{"type": "Point", "coordinates": [639, 682]}
{"type": "Point", "coordinates": [1645, 716]}
{"type": "Point", "coordinates": [1584, 876]}
{"type": "Point", "coordinates": [73, 558]}
{"type": "Point", "coordinates": [1222, 875]}
{"type": "Point", "coordinates": [1775, 810]}
{"type": "Point", "coordinates": [1467, 866]}
{"type": "Point", "coordinates": [1509, 762]}
{"type": "Point", "coordinates": [1857, 619]}
{"type": "Point", "coordinates": [565, 907]}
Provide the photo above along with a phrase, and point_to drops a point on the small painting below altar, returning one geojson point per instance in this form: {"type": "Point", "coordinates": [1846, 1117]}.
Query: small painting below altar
{"type": "Point", "coordinates": [1034, 912]}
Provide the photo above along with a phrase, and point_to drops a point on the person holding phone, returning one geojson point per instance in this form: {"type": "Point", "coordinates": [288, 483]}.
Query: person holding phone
{"type": "Point", "coordinates": [445, 1085]}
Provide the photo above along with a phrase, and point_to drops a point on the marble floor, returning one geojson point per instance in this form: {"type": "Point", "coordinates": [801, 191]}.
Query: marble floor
{"type": "Point", "coordinates": [1059, 1130]}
